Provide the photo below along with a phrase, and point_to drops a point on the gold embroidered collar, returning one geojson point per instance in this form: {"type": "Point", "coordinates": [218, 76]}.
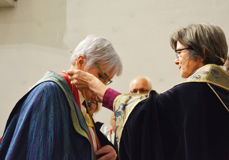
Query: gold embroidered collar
{"type": "Point", "coordinates": [212, 74]}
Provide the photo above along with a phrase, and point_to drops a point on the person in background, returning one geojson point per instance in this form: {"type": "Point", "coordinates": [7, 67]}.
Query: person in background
{"type": "Point", "coordinates": [140, 85]}
{"type": "Point", "coordinates": [187, 122]}
{"type": "Point", "coordinates": [53, 121]}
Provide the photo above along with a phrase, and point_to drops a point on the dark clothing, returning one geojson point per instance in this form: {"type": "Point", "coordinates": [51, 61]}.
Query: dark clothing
{"type": "Point", "coordinates": [187, 122]}
{"type": "Point", "coordinates": [102, 138]}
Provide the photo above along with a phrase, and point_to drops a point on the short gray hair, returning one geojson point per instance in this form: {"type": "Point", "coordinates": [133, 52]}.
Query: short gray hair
{"type": "Point", "coordinates": [205, 40]}
{"type": "Point", "coordinates": [98, 50]}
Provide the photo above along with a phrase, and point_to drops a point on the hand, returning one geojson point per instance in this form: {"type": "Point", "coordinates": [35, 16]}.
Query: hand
{"type": "Point", "coordinates": [82, 80]}
{"type": "Point", "coordinates": [106, 153]}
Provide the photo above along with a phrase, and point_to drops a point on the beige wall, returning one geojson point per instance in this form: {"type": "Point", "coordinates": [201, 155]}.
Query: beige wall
{"type": "Point", "coordinates": [37, 36]}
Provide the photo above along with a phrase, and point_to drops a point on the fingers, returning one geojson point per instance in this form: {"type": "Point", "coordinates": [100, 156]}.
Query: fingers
{"type": "Point", "coordinates": [77, 78]}
{"type": "Point", "coordinates": [73, 74]}
{"type": "Point", "coordinates": [106, 153]}
{"type": "Point", "coordinates": [82, 79]}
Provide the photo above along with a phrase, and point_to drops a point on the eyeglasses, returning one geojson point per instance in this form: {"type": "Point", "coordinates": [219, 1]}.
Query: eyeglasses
{"type": "Point", "coordinates": [141, 91]}
{"type": "Point", "coordinates": [103, 77]}
{"type": "Point", "coordinates": [91, 102]}
{"type": "Point", "coordinates": [178, 51]}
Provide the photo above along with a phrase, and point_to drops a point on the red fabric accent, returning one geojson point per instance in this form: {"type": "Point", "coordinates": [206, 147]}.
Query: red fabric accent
{"type": "Point", "coordinates": [0, 139]}
{"type": "Point", "coordinates": [111, 132]}
{"type": "Point", "coordinates": [76, 95]}
{"type": "Point", "coordinates": [97, 140]}
{"type": "Point", "coordinates": [92, 144]}
{"type": "Point", "coordinates": [73, 88]}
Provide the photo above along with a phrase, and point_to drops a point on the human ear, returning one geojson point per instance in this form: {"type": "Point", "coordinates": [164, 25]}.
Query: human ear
{"type": "Point", "coordinates": [81, 62]}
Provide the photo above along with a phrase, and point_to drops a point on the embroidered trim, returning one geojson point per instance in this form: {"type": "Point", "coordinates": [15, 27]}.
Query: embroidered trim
{"type": "Point", "coordinates": [218, 97]}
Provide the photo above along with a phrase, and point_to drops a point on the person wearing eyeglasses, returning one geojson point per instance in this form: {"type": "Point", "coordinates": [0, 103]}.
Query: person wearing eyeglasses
{"type": "Point", "coordinates": [53, 121]}
{"type": "Point", "coordinates": [140, 85]}
{"type": "Point", "coordinates": [187, 122]}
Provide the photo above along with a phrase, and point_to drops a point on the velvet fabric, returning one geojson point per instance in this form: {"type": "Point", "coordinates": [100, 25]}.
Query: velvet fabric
{"type": "Point", "coordinates": [187, 122]}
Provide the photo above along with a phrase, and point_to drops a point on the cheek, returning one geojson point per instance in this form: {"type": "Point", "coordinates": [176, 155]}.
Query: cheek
{"type": "Point", "coordinates": [188, 69]}
{"type": "Point", "coordinates": [185, 63]}
{"type": "Point", "coordinates": [185, 69]}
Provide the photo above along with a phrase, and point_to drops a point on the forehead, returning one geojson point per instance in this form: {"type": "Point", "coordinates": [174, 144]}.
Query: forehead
{"type": "Point", "coordinates": [139, 83]}
{"type": "Point", "coordinates": [180, 45]}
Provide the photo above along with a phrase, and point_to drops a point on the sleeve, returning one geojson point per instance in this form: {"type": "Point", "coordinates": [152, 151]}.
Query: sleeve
{"type": "Point", "coordinates": [109, 98]}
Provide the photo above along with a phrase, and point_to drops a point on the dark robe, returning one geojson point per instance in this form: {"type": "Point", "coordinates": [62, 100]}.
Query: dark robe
{"type": "Point", "coordinates": [47, 124]}
{"type": "Point", "coordinates": [187, 122]}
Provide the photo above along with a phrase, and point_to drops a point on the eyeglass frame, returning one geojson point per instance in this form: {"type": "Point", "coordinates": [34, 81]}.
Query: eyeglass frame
{"type": "Point", "coordinates": [141, 91]}
{"type": "Point", "coordinates": [108, 81]}
{"type": "Point", "coordinates": [178, 51]}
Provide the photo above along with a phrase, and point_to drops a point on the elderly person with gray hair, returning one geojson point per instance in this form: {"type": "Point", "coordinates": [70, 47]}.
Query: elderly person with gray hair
{"type": "Point", "coordinates": [187, 122]}
{"type": "Point", "coordinates": [53, 121]}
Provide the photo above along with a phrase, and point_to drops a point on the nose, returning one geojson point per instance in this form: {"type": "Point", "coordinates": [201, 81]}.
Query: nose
{"type": "Point", "coordinates": [140, 92]}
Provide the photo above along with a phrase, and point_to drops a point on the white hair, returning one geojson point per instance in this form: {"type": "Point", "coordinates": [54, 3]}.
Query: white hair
{"type": "Point", "coordinates": [98, 50]}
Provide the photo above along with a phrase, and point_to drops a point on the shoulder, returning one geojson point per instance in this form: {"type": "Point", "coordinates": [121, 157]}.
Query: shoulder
{"type": "Point", "coordinates": [184, 89]}
{"type": "Point", "coordinates": [48, 88]}
{"type": "Point", "coordinates": [46, 85]}
{"type": "Point", "coordinates": [45, 94]}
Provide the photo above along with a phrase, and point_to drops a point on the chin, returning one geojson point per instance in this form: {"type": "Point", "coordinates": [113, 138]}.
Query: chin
{"type": "Point", "coordinates": [183, 75]}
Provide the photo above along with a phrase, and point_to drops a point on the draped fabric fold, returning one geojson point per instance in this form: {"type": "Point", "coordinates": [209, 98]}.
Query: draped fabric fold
{"type": "Point", "coordinates": [46, 124]}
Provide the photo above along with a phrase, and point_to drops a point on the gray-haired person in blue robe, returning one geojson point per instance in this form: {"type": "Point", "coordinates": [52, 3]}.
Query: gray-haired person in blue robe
{"type": "Point", "coordinates": [52, 121]}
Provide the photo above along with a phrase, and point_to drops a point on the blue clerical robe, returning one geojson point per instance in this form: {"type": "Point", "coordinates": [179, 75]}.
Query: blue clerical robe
{"type": "Point", "coordinates": [47, 123]}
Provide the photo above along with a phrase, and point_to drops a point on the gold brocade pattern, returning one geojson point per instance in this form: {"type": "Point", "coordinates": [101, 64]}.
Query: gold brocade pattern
{"type": "Point", "coordinates": [213, 74]}
{"type": "Point", "coordinates": [123, 106]}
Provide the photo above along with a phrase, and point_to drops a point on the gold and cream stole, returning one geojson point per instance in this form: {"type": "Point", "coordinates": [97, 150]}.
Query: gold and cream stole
{"type": "Point", "coordinates": [123, 106]}
{"type": "Point", "coordinates": [212, 74]}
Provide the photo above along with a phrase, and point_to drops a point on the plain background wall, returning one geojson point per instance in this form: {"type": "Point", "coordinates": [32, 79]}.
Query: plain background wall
{"type": "Point", "coordinates": [37, 36]}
